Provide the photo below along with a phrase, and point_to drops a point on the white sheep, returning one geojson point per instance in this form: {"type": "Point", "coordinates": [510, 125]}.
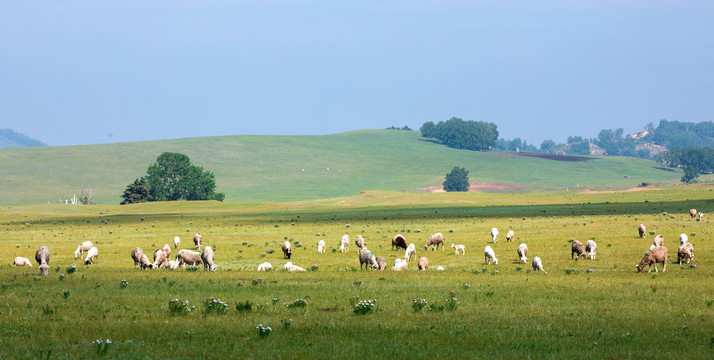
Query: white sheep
{"type": "Point", "coordinates": [459, 247]}
{"type": "Point", "coordinates": [173, 264]}
{"type": "Point", "coordinates": [167, 250]}
{"type": "Point", "coordinates": [160, 259]}
{"type": "Point", "coordinates": [538, 265]}
{"type": "Point", "coordinates": [287, 249]}
{"type": "Point", "coordinates": [439, 268]}
{"type": "Point", "coordinates": [344, 243]}
{"type": "Point", "coordinates": [658, 240]}
{"type": "Point", "coordinates": [321, 247]}
{"type": "Point", "coordinates": [423, 264]}
{"type": "Point", "coordinates": [434, 241]}
{"type": "Point", "coordinates": [84, 246]}
{"type": "Point", "coordinates": [494, 235]}
{"type": "Point", "coordinates": [693, 214]}
{"type": "Point", "coordinates": [21, 261]}
{"type": "Point", "coordinates": [290, 267]}
{"type": "Point", "coordinates": [400, 265]}
{"type": "Point", "coordinates": [177, 242]}
{"type": "Point", "coordinates": [207, 256]}
{"type": "Point", "coordinates": [411, 250]}
{"type": "Point", "coordinates": [189, 257]}
{"type": "Point", "coordinates": [642, 230]}
{"type": "Point", "coordinates": [591, 249]}
{"type": "Point", "coordinates": [510, 235]}
{"type": "Point", "coordinates": [359, 241]}
{"type": "Point", "coordinates": [197, 240]}
{"type": "Point", "coordinates": [91, 255]}
{"type": "Point", "coordinates": [266, 266]}
{"type": "Point", "coordinates": [522, 252]}
{"type": "Point", "coordinates": [42, 256]}
{"type": "Point", "coordinates": [140, 259]}
{"type": "Point", "coordinates": [683, 239]}
{"type": "Point", "coordinates": [701, 216]}
{"type": "Point", "coordinates": [490, 255]}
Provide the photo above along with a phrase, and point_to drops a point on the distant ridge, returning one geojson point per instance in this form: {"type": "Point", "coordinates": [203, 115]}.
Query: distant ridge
{"type": "Point", "coordinates": [9, 138]}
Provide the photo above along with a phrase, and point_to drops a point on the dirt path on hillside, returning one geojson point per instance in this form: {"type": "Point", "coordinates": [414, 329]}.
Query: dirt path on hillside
{"type": "Point", "coordinates": [481, 187]}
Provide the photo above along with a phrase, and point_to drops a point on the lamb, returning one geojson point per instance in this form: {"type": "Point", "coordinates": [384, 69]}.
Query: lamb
{"type": "Point", "coordinates": [42, 256]}
{"type": "Point", "coordinates": [197, 240]}
{"type": "Point", "coordinates": [188, 257]}
{"type": "Point", "coordinates": [577, 248]}
{"type": "Point", "coordinates": [435, 240]}
{"type": "Point", "coordinates": [177, 242]}
{"type": "Point", "coordinates": [590, 249]}
{"type": "Point", "coordinates": [642, 230]}
{"type": "Point", "coordinates": [522, 252]}
{"type": "Point", "coordinates": [140, 259]}
{"type": "Point", "coordinates": [439, 268]}
{"type": "Point", "coordinates": [686, 251]}
{"type": "Point", "coordinates": [654, 256]}
{"type": "Point", "coordinates": [160, 259]}
{"type": "Point", "coordinates": [344, 243]}
{"type": "Point", "coordinates": [494, 235]}
{"type": "Point", "coordinates": [266, 266]}
{"type": "Point", "coordinates": [510, 235]}
{"type": "Point", "coordinates": [321, 247]}
{"type": "Point", "coordinates": [21, 261]}
{"type": "Point", "coordinates": [399, 242]}
{"type": "Point", "coordinates": [290, 267]}
{"type": "Point", "coordinates": [423, 264]}
{"type": "Point", "coordinates": [92, 255]}
{"type": "Point", "coordinates": [359, 241]}
{"type": "Point", "coordinates": [459, 247]}
{"type": "Point", "coordinates": [658, 240]}
{"type": "Point", "coordinates": [400, 265]}
{"type": "Point", "coordinates": [538, 265]}
{"type": "Point", "coordinates": [207, 257]}
{"type": "Point", "coordinates": [84, 246]}
{"type": "Point", "coordinates": [683, 239]}
{"type": "Point", "coordinates": [287, 249]}
{"type": "Point", "coordinates": [693, 214]}
{"type": "Point", "coordinates": [701, 216]}
{"type": "Point", "coordinates": [490, 255]}
{"type": "Point", "coordinates": [167, 250]}
{"type": "Point", "coordinates": [411, 250]}
{"type": "Point", "coordinates": [367, 258]}
{"type": "Point", "coordinates": [381, 263]}
{"type": "Point", "coordinates": [173, 264]}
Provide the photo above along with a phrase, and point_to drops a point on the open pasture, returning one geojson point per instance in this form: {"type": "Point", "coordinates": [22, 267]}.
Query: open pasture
{"type": "Point", "coordinates": [597, 308]}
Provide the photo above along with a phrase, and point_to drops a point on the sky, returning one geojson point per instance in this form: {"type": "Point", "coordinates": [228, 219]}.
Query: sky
{"type": "Point", "coordinates": [88, 72]}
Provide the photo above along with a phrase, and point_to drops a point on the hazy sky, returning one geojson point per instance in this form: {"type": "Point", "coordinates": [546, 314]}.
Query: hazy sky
{"type": "Point", "coordinates": [84, 72]}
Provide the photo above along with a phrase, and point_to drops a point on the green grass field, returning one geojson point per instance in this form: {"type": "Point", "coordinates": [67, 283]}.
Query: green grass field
{"type": "Point", "coordinates": [597, 308]}
{"type": "Point", "coordinates": [293, 168]}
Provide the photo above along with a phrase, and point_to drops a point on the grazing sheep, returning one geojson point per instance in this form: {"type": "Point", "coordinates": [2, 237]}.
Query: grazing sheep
{"type": "Point", "coordinates": [367, 258]}
{"type": "Point", "coordinates": [494, 235]}
{"type": "Point", "coordinates": [84, 246]}
{"type": "Point", "coordinates": [490, 255]}
{"type": "Point", "coordinates": [411, 250]}
{"type": "Point", "coordinates": [160, 259]}
{"type": "Point", "coordinates": [21, 261]}
{"type": "Point", "coordinates": [321, 247]}
{"type": "Point", "coordinates": [197, 240]}
{"type": "Point", "coordinates": [381, 263]}
{"type": "Point", "coordinates": [577, 248]}
{"type": "Point", "coordinates": [290, 267]}
{"type": "Point", "coordinates": [167, 250]}
{"type": "Point", "coordinates": [177, 242]}
{"type": "Point", "coordinates": [642, 230]}
{"type": "Point", "coordinates": [510, 235]}
{"type": "Point", "coordinates": [140, 259]}
{"type": "Point", "coordinates": [266, 266]}
{"type": "Point", "coordinates": [359, 241]}
{"type": "Point", "coordinates": [683, 239]}
{"type": "Point", "coordinates": [686, 251]}
{"type": "Point", "coordinates": [399, 242]}
{"type": "Point", "coordinates": [522, 252]}
{"type": "Point", "coordinates": [439, 268]}
{"type": "Point", "coordinates": [173, 264]}
{"type": "Point", "coordinates": [693, 214]}
{"type": "Point", "coordinates": [188, 257]}
{"type": "Point", "coordinates": [654, 256]}
{"type": "Point", "coordinates": [92, 255]}
{"type": "Point", "coordinates": [344, 243]}
{"type": "Point", "coordinates": [42, 256]}
{"type": "Point", "coordinates": [423, 264]}
{"type": "Point", "coordinates": [400, 265]}
{"type": "Point", "coordinates": [287, 249]}
{"type": "Point", "coordinates": [590, 249]}
{"type": "Point", "coordinates": [538, 265]}
{"type": "Point", "coordinates": [459, 247]}
{"type": "Point", "coordinates": [701, 216]}
{"type": "Point", "coordinates": [207, 257]}
{"type": "Point", "coordinates": [435, 240]}
{"type": "Point", "coordinates": [658, 240]}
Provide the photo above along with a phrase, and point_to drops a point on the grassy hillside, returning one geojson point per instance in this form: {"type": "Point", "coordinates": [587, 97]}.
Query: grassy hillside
{"type": "Point", "coordinates": [289, 168]}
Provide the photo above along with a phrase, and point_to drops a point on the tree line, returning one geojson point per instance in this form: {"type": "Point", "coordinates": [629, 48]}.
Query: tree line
{"type": "Point", "coordinates": [460, 134]}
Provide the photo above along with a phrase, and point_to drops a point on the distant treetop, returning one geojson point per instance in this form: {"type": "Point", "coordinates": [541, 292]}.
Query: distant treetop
{"type": "Point", "coordinates": [460, 134]}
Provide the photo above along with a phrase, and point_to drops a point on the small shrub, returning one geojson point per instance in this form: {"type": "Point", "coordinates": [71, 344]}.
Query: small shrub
{"type": "Point", "coordinates": [314, 267]}
{"type": "Point", "coordinates": [244, 306]}
{"type": "Point", "coordinates": [465, 286]}
{"type": "Point", "coordinates": [123, 284]}
{"type": "Point", "coordinates": [353, 300]}
{"type": "Point", "coordinates": [47, 309]}
{"type": "Point", "coordinates": [270, 251]}
{"type": "Point", "coordinates": [286, 324]}
{"type": "Point", "coordinates": [256, 282]}
{"type": "Point", "coordinates": [213, 305]}
{"type": "Point", "coordinates": [418, 304]}
{"type": "Point", "coordinates": [192, 268]}
{"type": "Point", "coordinates": [357, 283]}
{"type": "Point", "coordinates": [71, 268]}
{"type": "Point", "coordinates": [239, 283]}
{"type": "Point", "coordinates": [61, 277]}
{"type": "Point", "coordinates": [297, 303]}
{"type": "Point", "coordinates": [179, 307]}
{"type": "Point", "coordinates": [436, 307]}
{"type": "Point", "coordinates": [451, 302]}
{"type": "Point", "coordinates": [364, 307]}
{"type": "Point", "coordinates": [263, 331]}
{"type": "Point", "coordinates": [67, 293]}
{"type": "Point", "coordinates": [710, 302]}
{"type": "Point", "coordinates": [101, 346]}
{"type": "Point", "coordinates": [275, 301]}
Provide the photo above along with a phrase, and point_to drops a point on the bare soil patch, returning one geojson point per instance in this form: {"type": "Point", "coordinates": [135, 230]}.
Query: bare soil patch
{"type": "Point", "coordinates": [553, 157]}
{"type": "Point", "coordinates": [482, 187]}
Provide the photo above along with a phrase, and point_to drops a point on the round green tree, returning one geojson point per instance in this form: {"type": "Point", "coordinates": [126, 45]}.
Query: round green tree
{"type": "Point", "coordinates": [457, 180]}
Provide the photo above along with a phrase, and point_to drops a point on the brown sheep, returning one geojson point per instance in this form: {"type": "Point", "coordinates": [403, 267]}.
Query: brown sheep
{"type": "Point", "coordinates": [693, 213]}
{"type": "Point", "coordinates": [658, 240]}
{"type": "Point", "coordinates": [197, 240]}
{"type": "Point", "coordinates": [654, 256]}
{"type": "Point", "coordinates": [423, 263]}
{"type": "Point", "coordinates": [207, 256]}
{"type": "Point", "coordinates": [189, 257]}
{"type": "Point", "coordinates": [42, 256]}
{"type": "Point", "coordinates": [140, 259]}
{"type": "Point", "coordinates": [686, 251]}
{"type": "Point", "coordinates": [577, 248]}
{"type": "Point", "coordinates": [359, 241]}
{"type": "Point", "coordinates": [642, 230]}
{"type": "Point", "coordinates": [381, 263]}
{"type": "Point", "coordinates": [434, 241]}
{"type": "Point", "coordinates": [160, 259]}
{"type": "Point", "coordinates": [399, 242]}
{"type": "Point", "coordinates": [287, 249]}
{"type": "Point", "coordinates": [167, 251]}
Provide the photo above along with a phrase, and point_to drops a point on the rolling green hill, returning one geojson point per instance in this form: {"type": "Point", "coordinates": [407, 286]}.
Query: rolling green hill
{"type": "Point", "coordinates": [287, 168]}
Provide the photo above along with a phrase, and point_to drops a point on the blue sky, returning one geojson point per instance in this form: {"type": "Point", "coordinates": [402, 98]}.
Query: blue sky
{"type": "Point", "coordinates": [85, 72]}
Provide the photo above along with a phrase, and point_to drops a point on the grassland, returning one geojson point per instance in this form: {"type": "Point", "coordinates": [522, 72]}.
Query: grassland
{"type": "Point", "coordinates": [597, 308]}
{"type": "Point", "coordinates": [294, 168]}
